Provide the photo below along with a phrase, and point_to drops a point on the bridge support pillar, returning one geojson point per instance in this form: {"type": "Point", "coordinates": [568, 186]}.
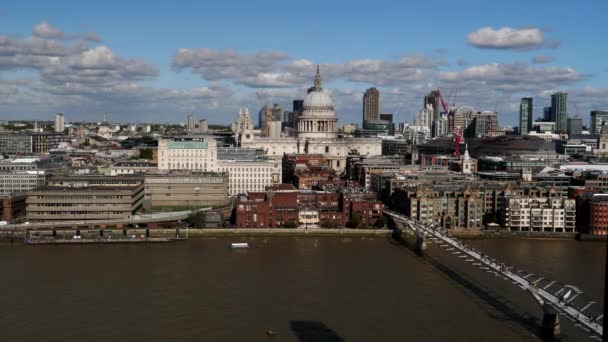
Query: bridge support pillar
{"type": "Point", "coordinates": [420, 244]}
{"type": "Point", "coordinates": [551, 325]}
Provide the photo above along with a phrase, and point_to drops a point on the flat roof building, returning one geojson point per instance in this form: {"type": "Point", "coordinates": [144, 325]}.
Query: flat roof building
{"type": "Point", "coordinates": [21, 181]}
{"type": "Point", "coordinates": [185, 189]}
{"type": "Point", "coordinates": [61, 203]}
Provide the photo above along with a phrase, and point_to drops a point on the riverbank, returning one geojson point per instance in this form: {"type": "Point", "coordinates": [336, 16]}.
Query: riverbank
{"type": "Point", "coordinates": [312, 232]}
{"type": "Point", "coordinates": [212, 232]}
{"type": "Point", "coordinates": [280, 232]}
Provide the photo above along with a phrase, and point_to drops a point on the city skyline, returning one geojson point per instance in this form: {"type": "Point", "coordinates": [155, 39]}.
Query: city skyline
{"type": "Point", "coordinates": [196, 61]}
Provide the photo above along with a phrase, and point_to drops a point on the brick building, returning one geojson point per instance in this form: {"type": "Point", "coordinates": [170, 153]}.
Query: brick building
{"type": "Point", "coordinates": [295, 161]}
{"type": "Point", "coordinates": [598, 214]}
{"type": "Point", "coordinates": [462, 205]}
{"type": "Point", "coordinates": [12, 206]}
{"type": "Point", "coordinates": [306, 208]}
{"type": "Point", "coordinates": [311, 178]}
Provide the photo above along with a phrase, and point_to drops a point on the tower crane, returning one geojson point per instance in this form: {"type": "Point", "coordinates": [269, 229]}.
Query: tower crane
{"type": "Point", "coordinates": [457, 135]}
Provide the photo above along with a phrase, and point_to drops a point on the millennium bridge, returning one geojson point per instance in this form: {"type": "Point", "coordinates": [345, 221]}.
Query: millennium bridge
{"type": "Point", "coordinates": [555, 299]}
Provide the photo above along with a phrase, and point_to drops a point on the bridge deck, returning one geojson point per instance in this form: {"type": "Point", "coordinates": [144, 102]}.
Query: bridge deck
{"type": "Point", "coordinates": [555, 300]}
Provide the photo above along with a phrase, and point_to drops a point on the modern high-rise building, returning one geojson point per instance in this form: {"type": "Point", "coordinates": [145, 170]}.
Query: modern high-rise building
{"type": "Point", "coordinates": [597, 118]}
{"type": "Point", "coordinates": [432, 99]}
{"type": "Point", "coordinates": [425, 117]}
{"type": "Point", "coordinates": [298, 106]}
{"type": "Point", "coordinates": [525, 115]}
{"type": "Point", "coordinates": [575, 126]}
{"type": "Point", "coordinates": [59, 123]}
{"type": "Point", "coordinates": [546, 114]}
{"type": "Point", "coordinates": [290, 118]}
{"type": "Point", "coordinates": [559, 111]}
{"type": "Point", "coordinates": [203, 126]}
{"type": "Point", "coordinates": [371, 105]}
{"type": "Point", "coordinates": [191, 125]}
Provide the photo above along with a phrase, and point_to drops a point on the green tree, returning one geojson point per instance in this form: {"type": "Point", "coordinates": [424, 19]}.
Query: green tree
{"type": "Point", "coordinates": [290, 224]}
{"type": "Point", "coordinates": [490, 218]}
{"type": "Point", "coordinates": [145, 153]}
{"type": "Point", "coordinates": [196, 219]}
{"type": "Point", "coordinates": [325, 223]}
{"type": "Point", "coordinates": [355, 220]}
{"type": "Point", "coordinates": [380, 222]}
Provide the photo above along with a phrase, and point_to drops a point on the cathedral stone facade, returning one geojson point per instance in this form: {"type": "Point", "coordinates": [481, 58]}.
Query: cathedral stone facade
{"type": "Point", "coordinates": [317, 133]}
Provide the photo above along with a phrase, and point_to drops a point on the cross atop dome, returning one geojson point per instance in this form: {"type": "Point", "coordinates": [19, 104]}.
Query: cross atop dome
{"type": "Point", "coordinates": [318, 80]}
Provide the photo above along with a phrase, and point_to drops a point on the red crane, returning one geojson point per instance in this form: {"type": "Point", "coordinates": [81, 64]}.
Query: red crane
{"type": "Point", "coordinates": [457, 135]}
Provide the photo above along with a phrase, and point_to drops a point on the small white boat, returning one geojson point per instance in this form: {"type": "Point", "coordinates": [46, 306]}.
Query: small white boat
{"type": "Point", "coordinates": [239, 245]}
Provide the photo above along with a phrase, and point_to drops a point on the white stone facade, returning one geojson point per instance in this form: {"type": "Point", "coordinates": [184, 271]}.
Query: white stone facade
{"type": "Point", "coordinates": [335, 150]}
{"type": "Point", "coordinates": [250, 175]}
{"type": "Point", "coordinates": [317, 133]}
{"type": "Point", "coordinates": [196, 155]}
{"type": "Point", "coordinates": [200, 154]}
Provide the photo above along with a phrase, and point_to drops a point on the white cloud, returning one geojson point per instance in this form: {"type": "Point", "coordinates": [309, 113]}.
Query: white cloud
{"type": "Point", "coordinates": [276, 69]}
{"type": "Point", "coordinates": [82, 78]}
{"type": "Point", "coordinates": [47, 31]}
{"type": "Point", "coordinates": [508, 38]}
{"type": "Point", "coordinates": [512, 77]}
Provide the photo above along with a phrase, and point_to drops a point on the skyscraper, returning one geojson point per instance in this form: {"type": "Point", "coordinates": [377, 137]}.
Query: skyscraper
{"type": "Point", "coordinates": [203, 126]}
{"type": "Point", "coordinates": [525, 115]}
{"type": "Point", "coordinates": [546, 114]}
{"type": "Point", "coordinates": [575, 126]}
{"type": "Point", "coordinates": [371, 105]}
{"type": "Point", "coordinates": [559, 111]}
{"type": "Point", "coordinates": [59, 123]}
{"type": "Point", "coordinates": [290, 117]}
{"type": "Point", "coordinates": [432, 99]}
{"type": "Point", "coordinates": [597, 118]}
{"type": "Point", "coordinates": [298, 106]}
{"type": "Point", "coordinates": [191, 125]}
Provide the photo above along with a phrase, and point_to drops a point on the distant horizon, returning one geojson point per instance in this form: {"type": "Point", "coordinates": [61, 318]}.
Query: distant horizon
{"type": "Point", "coordinates": [160, 63]}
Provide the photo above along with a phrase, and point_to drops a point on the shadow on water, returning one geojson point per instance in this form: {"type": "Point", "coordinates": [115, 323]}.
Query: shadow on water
{"type": "Point", "coordinates": [508, 310]}
{"type": "Point", "coordinates": [314, 331]}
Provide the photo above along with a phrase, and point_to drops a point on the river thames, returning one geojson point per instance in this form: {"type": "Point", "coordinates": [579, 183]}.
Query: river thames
{"type": "Point", "coordinates": [298, 288]}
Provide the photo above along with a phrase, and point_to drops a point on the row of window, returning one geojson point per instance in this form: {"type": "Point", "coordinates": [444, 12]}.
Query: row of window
{"type": "Point", "coordinates": [88, 198]}
{"type": "Point", "coordinates": [58, 213]}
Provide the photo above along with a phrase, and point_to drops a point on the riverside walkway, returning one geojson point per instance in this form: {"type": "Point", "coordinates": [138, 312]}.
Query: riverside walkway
{"type": "Point", "coordinates": [554, 298]}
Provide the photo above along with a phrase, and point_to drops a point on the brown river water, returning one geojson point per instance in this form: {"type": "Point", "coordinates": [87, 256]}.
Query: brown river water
{"type": "Point", "coordinates": [282, 289]}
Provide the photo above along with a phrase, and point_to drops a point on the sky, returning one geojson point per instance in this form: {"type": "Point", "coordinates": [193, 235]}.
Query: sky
{"type": "Point", "coordinates": [158, 61]}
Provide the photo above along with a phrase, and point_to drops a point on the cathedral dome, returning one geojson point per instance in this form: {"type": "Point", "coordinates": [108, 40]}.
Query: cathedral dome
{"type": "Point", "coordinates": [318, 119]}
{"type": "Point", "coordinates": [318, 100]}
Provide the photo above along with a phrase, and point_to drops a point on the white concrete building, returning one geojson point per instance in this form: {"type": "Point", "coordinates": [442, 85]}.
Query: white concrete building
{"type": "Point", "coordinates": [21, 181]}
{"type": "Point", "coordinates": [250, 175]}
{"type": "Point", "coordinates": [191, 123]}
{"type": "Point", "coordinates": [317, 132]}
{"type": "Point", "coordinates": [275, 129]}
{"type": "Point", "coordinates": [196, 153]}
{"type": "Point", "coordinates": [541, 214]}
{"type": "Point", "coordinates": [59, 123]}
{"type": "Point", "coordinates": [130, 167]}
{"type": "Point", "coordinates": [199, 153]}
{"type": "Point", "coordinates": [203, 126]}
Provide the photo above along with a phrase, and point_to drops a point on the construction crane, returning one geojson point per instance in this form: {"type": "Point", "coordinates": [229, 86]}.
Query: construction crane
{"type": "Point", "coordinates": [457, 135]}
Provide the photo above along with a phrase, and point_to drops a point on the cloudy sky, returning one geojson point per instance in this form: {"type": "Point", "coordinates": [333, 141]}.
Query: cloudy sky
{"type": "Point", "coordinates": [154, 61]}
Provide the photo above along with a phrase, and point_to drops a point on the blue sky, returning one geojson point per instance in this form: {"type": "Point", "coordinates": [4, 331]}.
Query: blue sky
{"type": "Point", "coordinates": [157, 61]}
